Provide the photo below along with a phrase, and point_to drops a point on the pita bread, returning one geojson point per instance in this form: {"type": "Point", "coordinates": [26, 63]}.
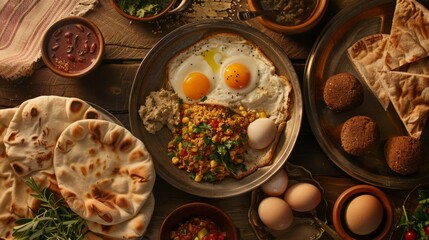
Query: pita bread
{"type": "Point", "coordinates": [419, 67]}
{"type": "Point", "coordinates": [409, 35]}
{"type": "Point", "coordinates": [133, 228]}
{"type": "Point", "coordinates": [7, 176]}
{"type": "Point", "coordinates": [92, 236]}
{"type": "Point", "coordinates": [15, 199]}
{"type": "Point", "coordinates": [367, 56]}
{"type": "Point", "coordinates": [35, 128]}
{"type": "Point", "coordinates": [409, 94]}
{"type": "Point", "coordinates": [104, 173]}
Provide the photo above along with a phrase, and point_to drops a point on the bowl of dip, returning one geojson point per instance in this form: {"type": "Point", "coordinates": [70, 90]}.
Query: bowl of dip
{"type": "Point", "coordinates": [293, 16]}
{"type": "Point", "coordinates": [144, 11]}
{"type": "Point", "coordinates": [72, 47]}
{"type": "Point", "coordinates": [197, 219]}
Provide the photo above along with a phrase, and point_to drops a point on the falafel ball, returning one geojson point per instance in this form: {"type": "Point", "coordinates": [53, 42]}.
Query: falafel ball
{"type": "Point", "coordinates": [404, 154]}
{"type": "Point", "coordinates": [342, 92]}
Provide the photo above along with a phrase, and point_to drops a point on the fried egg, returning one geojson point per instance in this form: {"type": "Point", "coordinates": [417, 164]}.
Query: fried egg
{"type": "Point", "coordinates": [238, 73]}
{"type": "Point", "coordinates": [193, 79]}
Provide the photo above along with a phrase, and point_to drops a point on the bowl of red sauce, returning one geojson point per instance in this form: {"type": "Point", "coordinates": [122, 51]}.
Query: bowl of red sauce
{"type": "Point", "coordinates": [197, 220]}
{"type": "Point", "coordinates": [291, 16]}
{"type": "Point", "coordinates": [72, 47]}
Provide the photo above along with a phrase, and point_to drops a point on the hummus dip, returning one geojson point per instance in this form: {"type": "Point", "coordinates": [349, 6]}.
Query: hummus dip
{"type": "Point", "coordinates": [161, 108]}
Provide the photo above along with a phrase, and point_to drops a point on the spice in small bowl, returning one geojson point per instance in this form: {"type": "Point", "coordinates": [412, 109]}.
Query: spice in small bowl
{"type": "Point", "coordinates": [72, 47]}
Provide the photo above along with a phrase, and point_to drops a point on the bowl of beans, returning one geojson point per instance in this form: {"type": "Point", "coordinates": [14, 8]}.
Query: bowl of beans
{"type": "Point", "coordinates": [72, 47]}
{"type": "Point", "coordinates": [197, 220]}
{"type": "Point", "coordinates": [289, 16]}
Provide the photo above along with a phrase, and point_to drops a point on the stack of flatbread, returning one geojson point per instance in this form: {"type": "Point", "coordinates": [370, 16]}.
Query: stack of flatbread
{"type": "Point", "coordinates": [395, 66]}
{"type": "Point", "coordinates": [102, 171]}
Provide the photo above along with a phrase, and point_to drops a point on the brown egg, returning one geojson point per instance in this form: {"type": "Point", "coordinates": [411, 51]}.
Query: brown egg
{"type": "Point", "coordinates": [303, 197]}
{"type": "Point", "coordinates": [277, 184]}
{"type": "Point", "coordinates": [364, 214]}
{"type": "Point", "coordinates": [275, 213]}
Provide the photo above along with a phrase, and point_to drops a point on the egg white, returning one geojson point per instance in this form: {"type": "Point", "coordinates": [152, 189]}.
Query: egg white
{"type": "Point", "coordinates": [191, 64]}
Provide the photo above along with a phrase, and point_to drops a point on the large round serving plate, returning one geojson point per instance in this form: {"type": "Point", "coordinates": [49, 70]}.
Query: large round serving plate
{"type": "Point", "coordinates": [151, 77]}
{"type": "Point", "coordinates": [328, 57]}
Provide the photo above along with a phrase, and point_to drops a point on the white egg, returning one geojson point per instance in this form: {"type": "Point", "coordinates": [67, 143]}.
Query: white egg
{"type": "Point", "coordinates": [193, 79]}
{"type": "Point", "coordinates": [261, 133]}
{"type": "Point", "coordinates": [275, 213]}
{"type": "Point", "coordinates": [364, 214]}
{"type": "Point", "coordinates": [303, 197]}
{"type": "Point", "coordinates": [277, 184]}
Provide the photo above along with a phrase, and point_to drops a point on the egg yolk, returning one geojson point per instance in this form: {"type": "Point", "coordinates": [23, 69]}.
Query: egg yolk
{"type": "Point", "coordinates": [196, 85]}
{"type": "Point", "coordinates": [236, 76]}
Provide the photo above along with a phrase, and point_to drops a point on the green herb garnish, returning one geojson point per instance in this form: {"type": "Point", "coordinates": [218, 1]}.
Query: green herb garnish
{"type": "Point", "coordinates": [416, 223]}
{"type": "Point", "coordinates": [53, 220]}
{"type": "Point", "coordinates": [142, 8]}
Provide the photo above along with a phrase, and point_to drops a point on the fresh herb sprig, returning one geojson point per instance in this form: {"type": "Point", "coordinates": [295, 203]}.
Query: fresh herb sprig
{"type": "Point", "coordinates": [53, 220]}
{"type": "Point", "coordinates": [416, 223]}
{"type": "Point", "coordinates": [142, 8]}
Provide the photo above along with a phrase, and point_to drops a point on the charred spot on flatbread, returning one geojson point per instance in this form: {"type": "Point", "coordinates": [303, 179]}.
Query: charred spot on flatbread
{"type": "Point", "coordinates": [92, 115]}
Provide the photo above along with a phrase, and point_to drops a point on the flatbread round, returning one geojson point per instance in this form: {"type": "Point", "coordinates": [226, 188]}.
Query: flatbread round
{"type": "Point", "coordinates": [35, 128]}
{"type": "Point", "coordinates": [7, 176]}
{"type": "Point", "coordinates": [133, 228]}
{"type": "Point", "coordinates": [15, 198]}
{"type": "Point", "coordinates": [104, 173]}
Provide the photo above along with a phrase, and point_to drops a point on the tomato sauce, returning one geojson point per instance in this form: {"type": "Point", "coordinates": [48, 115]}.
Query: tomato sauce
{"type": "Point", "coordinates": [200, 228]}
{"type": "Point", "coordinates": [73, 48]}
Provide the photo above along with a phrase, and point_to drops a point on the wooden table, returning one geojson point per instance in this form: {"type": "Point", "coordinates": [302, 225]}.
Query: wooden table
{"type": "Point", "coordinates": [109, 87]}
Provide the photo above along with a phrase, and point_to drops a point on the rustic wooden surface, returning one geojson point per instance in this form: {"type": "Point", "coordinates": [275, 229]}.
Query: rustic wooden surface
{"type": "Point", "coordinates": [109, 86]}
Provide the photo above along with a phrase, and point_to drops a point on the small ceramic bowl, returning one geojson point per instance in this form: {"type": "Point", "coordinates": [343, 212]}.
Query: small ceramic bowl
{"type": "Point", "coordinates": [165, 11]}
{"type": "Point", "coordinates": [72, 47]}
{"type": "Point", "coordinates": [315, 16]}
{"type": "Point", "coordinates": [187, 211]}
{"type": "Point", "coordinates": [346, 197]}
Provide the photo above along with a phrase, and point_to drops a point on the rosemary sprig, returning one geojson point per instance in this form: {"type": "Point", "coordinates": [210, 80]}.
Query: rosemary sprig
{"type": "Point", "coordinates": [53, 220]}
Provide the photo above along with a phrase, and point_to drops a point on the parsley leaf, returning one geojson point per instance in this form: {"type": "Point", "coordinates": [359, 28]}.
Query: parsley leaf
{"type": "Point", "coordinates": [53, 220]}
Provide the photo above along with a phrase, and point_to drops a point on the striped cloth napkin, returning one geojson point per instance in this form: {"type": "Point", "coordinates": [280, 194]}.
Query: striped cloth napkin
{"type": "Point", "coordinates": [22, 25]}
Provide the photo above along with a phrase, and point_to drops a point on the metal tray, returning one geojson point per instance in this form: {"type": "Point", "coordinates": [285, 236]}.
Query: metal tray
{"type": "Point", "coordinates": [151, 77]}
{"type": "Point", "coordinates": [328, 57]}
{"type": "Point", "coordinates": [304, 226]}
